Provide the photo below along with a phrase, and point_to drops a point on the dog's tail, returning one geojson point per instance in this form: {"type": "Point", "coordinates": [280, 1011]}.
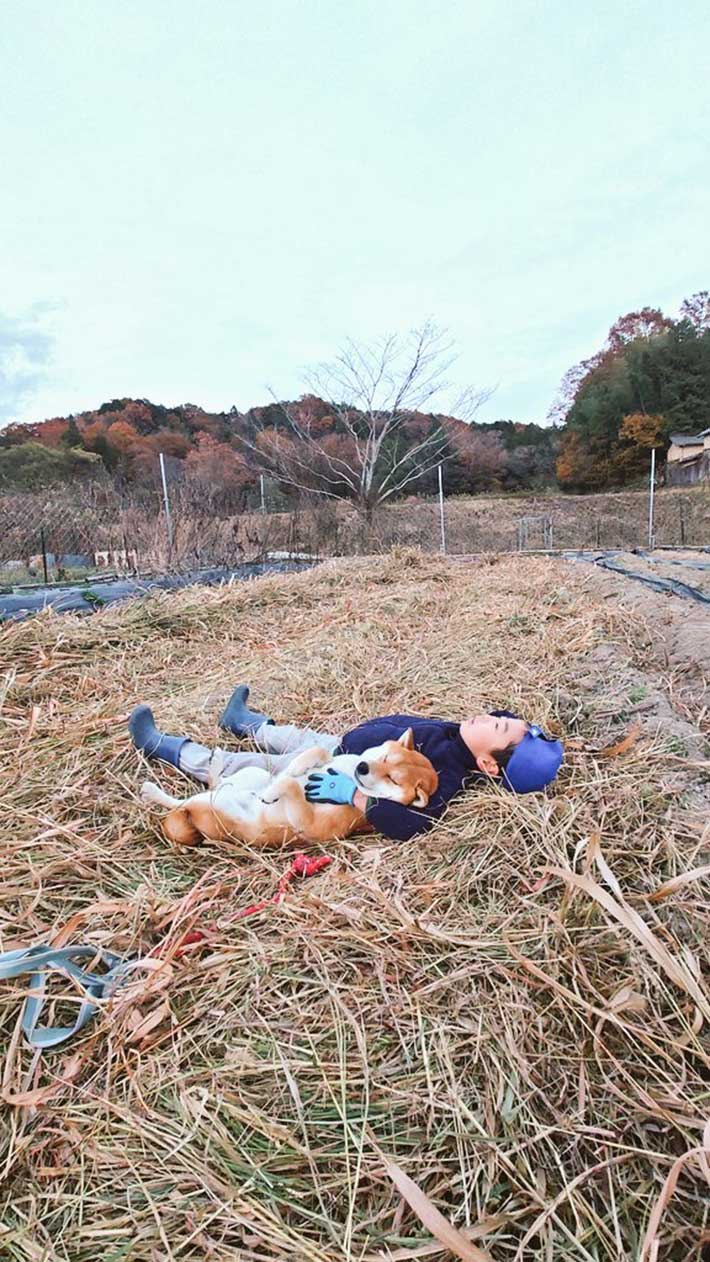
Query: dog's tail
{"type": "Point", "coordinates": [177, 825]}
{"type": "Point", "coordinates": [179, 828]}
{"type": "Point", "coordinates": [151, 793]}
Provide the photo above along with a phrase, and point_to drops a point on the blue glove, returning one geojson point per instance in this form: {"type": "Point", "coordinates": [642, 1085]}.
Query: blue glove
{"type": "Point", "coordinates": [330, 786]}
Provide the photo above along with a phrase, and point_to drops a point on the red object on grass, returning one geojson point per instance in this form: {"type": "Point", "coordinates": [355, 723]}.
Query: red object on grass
{"type": "Point", "coordinates": [187, 939]}
{"type": "Point", "coordinates": [301, 866]}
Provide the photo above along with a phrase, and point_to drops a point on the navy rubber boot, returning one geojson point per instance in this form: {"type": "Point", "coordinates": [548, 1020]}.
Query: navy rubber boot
{"type": "Point", "coordinates": [150, 740]}
{"type": "Point", "coordinates": [237, 718]}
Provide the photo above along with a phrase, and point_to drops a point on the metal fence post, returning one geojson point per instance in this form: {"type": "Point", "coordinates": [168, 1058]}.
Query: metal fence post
{"type": "Point", "coordinates": [441, 511]}
{"type": "Point", "coordinates": [650, 501]}
{"type": "Point", "coordinates": [168, 518]}
{"type": "Point", "coordinates": [44, 553]}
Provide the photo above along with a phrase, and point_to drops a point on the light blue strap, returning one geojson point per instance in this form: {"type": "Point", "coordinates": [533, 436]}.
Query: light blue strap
{"type": "Point", "coordinates": [38, 961]}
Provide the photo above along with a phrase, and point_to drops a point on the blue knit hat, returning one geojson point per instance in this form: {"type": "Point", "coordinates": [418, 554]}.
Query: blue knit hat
{"type": "Point", "coordinates": [534, 763]}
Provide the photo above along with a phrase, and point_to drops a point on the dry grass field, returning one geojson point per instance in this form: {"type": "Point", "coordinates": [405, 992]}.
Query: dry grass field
{"type": "Point", "coordinates": [499, 523]}
{"type": "Point", "coordinates": [504, 1021]}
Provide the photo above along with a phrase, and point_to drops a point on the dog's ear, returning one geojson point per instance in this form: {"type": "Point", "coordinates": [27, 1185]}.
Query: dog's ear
{"type": "Point", "coordinates": [407, 739]}
{"type": "Point", "coordinates": [421, 797]}
{"type": "Point", "coordinates": [179, 828]}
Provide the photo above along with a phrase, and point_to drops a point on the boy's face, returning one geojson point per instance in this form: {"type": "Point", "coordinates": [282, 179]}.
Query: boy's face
{"type": "Point", "coordinates": [486, 734]}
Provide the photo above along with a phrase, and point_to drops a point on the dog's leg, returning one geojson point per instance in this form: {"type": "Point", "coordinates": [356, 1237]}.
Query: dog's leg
{"type": "Point", "coordinates": [177, 825]}
{"type": "Point", "coordinates": [304, 762]}
{"type": "Point", "coordinates": [275, 790]}
{"type": "Point", "coordinates": [307, 761]}
{"type": "Point", "coordinates": [150, 793]}
{"type": "Point", "coordinates": [287, 796]}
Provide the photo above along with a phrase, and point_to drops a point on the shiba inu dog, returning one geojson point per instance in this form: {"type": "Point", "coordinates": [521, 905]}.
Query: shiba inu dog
{"type": "Point", "coordinates": [266, 810]}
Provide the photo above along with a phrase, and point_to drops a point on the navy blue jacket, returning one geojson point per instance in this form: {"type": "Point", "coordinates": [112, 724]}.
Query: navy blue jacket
{"type": "Point", "coordinates": [441, 742]}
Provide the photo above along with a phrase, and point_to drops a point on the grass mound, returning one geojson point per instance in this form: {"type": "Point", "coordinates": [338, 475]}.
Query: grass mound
{"type": "Point", "coordinates": [511, 1011]}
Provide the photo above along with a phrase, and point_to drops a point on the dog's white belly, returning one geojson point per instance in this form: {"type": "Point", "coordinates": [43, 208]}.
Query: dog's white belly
{"type": "Point", "coordinates": [248, 779]}
{"type": "Point", "coordinates": [236, 802]}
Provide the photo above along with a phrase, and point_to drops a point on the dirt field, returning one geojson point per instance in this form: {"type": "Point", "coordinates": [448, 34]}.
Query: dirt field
{"type": "Point", "coordinates": [511, 1011]}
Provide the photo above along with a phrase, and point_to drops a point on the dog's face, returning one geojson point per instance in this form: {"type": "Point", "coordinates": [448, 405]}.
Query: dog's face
{"type": "Point", "coordinates": [396, 770]}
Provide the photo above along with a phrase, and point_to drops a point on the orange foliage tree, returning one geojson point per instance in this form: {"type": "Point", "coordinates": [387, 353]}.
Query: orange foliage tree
{"type": "Point", "coordinates": [577, 467]}
{"type": "Point", "coordinates": [52, 432]}
{"type": "Point", "coordinates": [649, 322]}
{"type": "Point", "coordinates": [216, 475]}
{"type": "Point", "coordinates": [640, 432]}
{"type": "Point", "coordinates": [479, 459]}
{"type": "Point", "coordinates": [122, 437]}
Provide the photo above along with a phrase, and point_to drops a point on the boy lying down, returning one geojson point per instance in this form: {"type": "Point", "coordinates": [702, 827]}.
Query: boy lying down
{"type": "Point", "coordinates": [499, 746]}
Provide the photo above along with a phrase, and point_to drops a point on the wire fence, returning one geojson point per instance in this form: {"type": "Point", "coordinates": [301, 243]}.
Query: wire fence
{"type": "Point", "coordinates": [97, 527]}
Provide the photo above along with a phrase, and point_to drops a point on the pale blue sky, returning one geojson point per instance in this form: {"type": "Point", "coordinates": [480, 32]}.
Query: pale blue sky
{"type": "Point", "coordinates": [200, 199]}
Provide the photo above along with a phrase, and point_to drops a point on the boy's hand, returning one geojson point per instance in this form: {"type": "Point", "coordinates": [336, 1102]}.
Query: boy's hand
{"type": "Point", "coordinates": [330, 786]}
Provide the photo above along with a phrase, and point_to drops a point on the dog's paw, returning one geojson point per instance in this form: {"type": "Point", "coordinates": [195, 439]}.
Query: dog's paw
{"type": "Point", "coordinates": [270, 794]}
{"type": "Point", "coordinates": [147, 792]}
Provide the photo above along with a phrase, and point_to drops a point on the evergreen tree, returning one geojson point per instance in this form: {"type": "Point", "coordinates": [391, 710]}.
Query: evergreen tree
{"type": "Point", "coordinates": [72, 438]}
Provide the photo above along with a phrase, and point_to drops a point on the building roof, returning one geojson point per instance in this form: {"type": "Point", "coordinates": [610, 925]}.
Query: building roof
{"type": "Point", "coordinates": [688, 440]}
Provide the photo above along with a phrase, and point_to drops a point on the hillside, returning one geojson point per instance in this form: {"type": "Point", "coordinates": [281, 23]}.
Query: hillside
{"type": "Point", "coordinates": [126, 436]}
{"type": "Point", "coordinates": [649, 380]}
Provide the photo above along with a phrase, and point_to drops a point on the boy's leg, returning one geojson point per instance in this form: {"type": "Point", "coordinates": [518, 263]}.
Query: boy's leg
{"type": "Point", "coordinates": [274, 738]}
{"type": "Point", "coordinates": [195, 760]}
{"type": "Point", "coordinates": [279, 745]}
{"type": "Point", "coordinates": [287, 738]}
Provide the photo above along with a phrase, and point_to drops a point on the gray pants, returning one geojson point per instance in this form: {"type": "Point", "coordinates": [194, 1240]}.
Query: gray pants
{"type": "Point", "coordinates": [278, 745]}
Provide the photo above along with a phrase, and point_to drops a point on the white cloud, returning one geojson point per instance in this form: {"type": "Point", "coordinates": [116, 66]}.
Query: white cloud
{"type": "Point", "coordinates": [25, 357]}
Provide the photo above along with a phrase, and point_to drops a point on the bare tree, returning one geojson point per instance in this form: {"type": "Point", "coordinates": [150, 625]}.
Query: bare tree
{"type": "Point", "coordinates": [382, 436]}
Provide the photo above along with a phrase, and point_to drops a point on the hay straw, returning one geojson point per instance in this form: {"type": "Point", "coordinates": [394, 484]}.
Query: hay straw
{"type": "Point", "coordinates": [527, 1055]}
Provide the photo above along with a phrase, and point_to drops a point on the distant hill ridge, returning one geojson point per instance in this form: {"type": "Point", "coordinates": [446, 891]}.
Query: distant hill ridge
{"type": "Point", "coordinates": [127, 435]}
